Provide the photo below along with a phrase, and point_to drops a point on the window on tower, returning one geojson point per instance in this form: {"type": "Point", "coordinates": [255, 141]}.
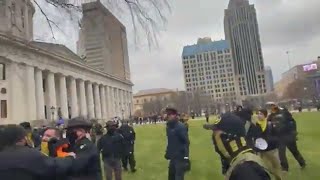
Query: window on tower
{"type": "Point", "coordinates": [13, 13]}
{"type": "Point", "coordinates": [22, 17]}
{"type": "Point", "coordinates": [2, 71]}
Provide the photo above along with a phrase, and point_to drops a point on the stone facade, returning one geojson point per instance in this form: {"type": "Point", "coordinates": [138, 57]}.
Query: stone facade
{"type": "Point", "coordinates": [37, 80]}
{"type": "Point", "coordinates": [45, 81]}
{"type": "Point", "coordinates": [103, 41]}
{"type": "Point", "coordinates": [242, 32]}
{"type": "Point", "coordinates": [16, 18]}
{"type": "Point", "coordinates": [208, 67]}
{"type": "Point", "coordinates": [149, 95]}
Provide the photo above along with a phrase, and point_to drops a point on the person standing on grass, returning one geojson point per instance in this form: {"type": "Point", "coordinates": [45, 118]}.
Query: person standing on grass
{"type": "Point", "coordinates": [288, 136]}
{"type": "Point", "coordinates": [240, 160]}
{"type": "Point", "coordinates": [129, 136]}
{"type": "Point", "coordinates": [269, 133]}
{"type": "Point", "coordinates": [111, 145]}
{"type": "Point", "coordinates": [207, 116]}
{"type": "Point", "coordinates": [177, 146]}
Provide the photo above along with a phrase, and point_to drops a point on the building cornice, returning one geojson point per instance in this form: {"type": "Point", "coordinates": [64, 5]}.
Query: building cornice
{"type": "Point", "coordinates": [25, 44]}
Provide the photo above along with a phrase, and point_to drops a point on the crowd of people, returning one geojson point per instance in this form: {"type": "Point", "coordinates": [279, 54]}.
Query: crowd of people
{"type": "Point", "coordinates": [254, 146]}
{"type": "Point", "coordinates": [251, 146]}
{"type": "Point", "coordinates": [66, 154]}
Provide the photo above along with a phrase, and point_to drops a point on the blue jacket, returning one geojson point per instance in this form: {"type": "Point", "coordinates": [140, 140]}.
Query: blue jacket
{"type": "Point", "coordinates": [178, 141]}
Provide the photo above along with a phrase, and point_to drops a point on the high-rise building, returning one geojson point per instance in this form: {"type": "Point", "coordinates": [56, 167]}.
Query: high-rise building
{"type": "Point", "coordinates": [208, 68]}
{"type": "Point", "coordinates": [269, 79]}
{"type": "Point", "coordinates": [103, 41]}
{"type": "Point", "coordinates": [301, 71]}
{"type": "Point", "coordinates": [242, 32]}
{"type": "Point", "coordinates": [44, 81]}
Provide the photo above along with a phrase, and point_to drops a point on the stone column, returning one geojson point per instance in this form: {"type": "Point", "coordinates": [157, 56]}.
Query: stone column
{"type": "Point", "coordinates": [122, 108]}
{"type": "Point", "coordinates": [90, 101]}
{"type": "Point", "coordinates": [39, 95]}
{"type": "Point", "coordinates": [52, 101]}
{"type": "Point", "coordinates": [73, 98]}
{"type": "Point", "coordinates": [126, 102]}
{"type": "Point", "coordinates": [112, 107]}
{"type": "Point", "coordinates": [107, 99]}
{"type": "Point", "coordinates": [63, 97]}
{"type": "Point", "coordinates": [131, 103]}
{"type": "Point", "coordinates": [103, 102]}
{"type": "Point", "coordinates": [116, 102]}
{"type": "Point", "coordinates": [31, 93]}
{"type": "Point", "coordinates": [97, 104]}
{"type": "Point", "coordinates": [83, 101]}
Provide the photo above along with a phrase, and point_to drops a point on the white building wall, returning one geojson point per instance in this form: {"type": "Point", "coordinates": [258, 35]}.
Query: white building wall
{"type": "Point", "coordinates": [17, 94]}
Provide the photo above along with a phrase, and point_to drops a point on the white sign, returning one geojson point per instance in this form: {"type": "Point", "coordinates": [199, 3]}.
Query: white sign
{"type": "Point", "coordinates": [310, 67]}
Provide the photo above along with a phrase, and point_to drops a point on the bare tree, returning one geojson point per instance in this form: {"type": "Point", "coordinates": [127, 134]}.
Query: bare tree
{"type": "Point", "coordinates": [300, 89]}
{"type": "Point", "coordinates": [181, 101]}
{"type": "Point", "coordinates": [272, 96]}
{"type": "Point", "coordinates": [147, 16]}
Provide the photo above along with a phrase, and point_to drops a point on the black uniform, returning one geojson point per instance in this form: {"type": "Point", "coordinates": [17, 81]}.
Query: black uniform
{"type": "Point", "coordinates": [207, 117]}
{"type": "Point", "coordinates": [177, 149]}
{"type": "Point", "coordinates": [112, 145]}
{"type": "Point", "coordinates": [249, 170]}
{"type": "Point", "coordinates": [229, 142]}
{"type": "Point", "coordinates": [24, 163]}
{"type": "Point", "coordinates": [20, 162]}
{"type": "Point", "coordinates": [89, 167]}
{"type": "Point", "coordinates": [288, 138]}
{"type": "Point", "coordinates": [129, 139]}
{"type": "Point", "coordinates": [88, 157]}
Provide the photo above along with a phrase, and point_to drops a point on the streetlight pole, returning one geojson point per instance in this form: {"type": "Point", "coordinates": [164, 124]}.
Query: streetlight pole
{"type": "Point", "coordinates": [289, 64]}
{"type": "Point", "coordinates": [52, 113]}
{"type": "Point", "coordinates": [130, 111]}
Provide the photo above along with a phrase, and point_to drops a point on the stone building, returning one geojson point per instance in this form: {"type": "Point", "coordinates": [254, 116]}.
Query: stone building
{"type": "Point", "coordinates": [149, 95]}
{"type": "Point", "coordinates": [103, 40]}
{"type": "Point", "coordinates": [41, 80]}
{"type": "Point", "coordinates": [208, 67]}
{"type": "Point", "coordinates": [242, 32]}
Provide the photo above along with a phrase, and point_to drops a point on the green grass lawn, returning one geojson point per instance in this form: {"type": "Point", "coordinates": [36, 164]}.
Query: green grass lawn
{"type": "Point", "coordinates": [151, 142]}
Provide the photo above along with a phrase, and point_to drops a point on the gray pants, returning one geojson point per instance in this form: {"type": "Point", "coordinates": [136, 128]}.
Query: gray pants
{"type": "Point", "coordinates": [113, 165]}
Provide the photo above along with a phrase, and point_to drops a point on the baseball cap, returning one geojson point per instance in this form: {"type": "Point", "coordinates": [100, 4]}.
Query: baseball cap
{"type": "Point", "coordinates": [171, 110]}
{"type": "Point", "coordinates": [78, 122]}
{"type": "Point", "coordinates": [229, 123]}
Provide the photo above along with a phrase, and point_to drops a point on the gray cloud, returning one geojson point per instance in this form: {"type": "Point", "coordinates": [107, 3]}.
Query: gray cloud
{"type": "Point", "coordinates": [284, 25]}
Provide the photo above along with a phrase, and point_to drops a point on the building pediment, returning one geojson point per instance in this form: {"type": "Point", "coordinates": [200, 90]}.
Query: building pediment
{"type": "Point", "coordinates": [56, 49]}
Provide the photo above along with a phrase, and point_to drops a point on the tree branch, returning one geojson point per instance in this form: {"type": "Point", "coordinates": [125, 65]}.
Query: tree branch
{"type": "Point", "coordinates": [47, 19]}
{"type": "Point", "coordinates": [147, 15]}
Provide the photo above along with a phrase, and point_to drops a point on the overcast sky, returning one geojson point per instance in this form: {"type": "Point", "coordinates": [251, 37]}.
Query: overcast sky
{"type": "Point", "coordinates": [285, 25]}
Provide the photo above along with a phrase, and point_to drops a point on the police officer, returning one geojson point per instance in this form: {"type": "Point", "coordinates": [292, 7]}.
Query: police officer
{"type": "Point", "coordinates": [184, 118]}
{"type": "Point", "coordinates": [20, 162]}
{"type": "Point", "coordinates": [89, 168]}
{"type": "Point", "coordinates": [177, 146]}
{"type": "Point", "coordinates": [230, 144]}
{"type": "Point", "coordinates": [111, 145]}
{"type": "Point", "coordinates": [129, 136]}
{"type": "Point", "coordinates": [288, 135]}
